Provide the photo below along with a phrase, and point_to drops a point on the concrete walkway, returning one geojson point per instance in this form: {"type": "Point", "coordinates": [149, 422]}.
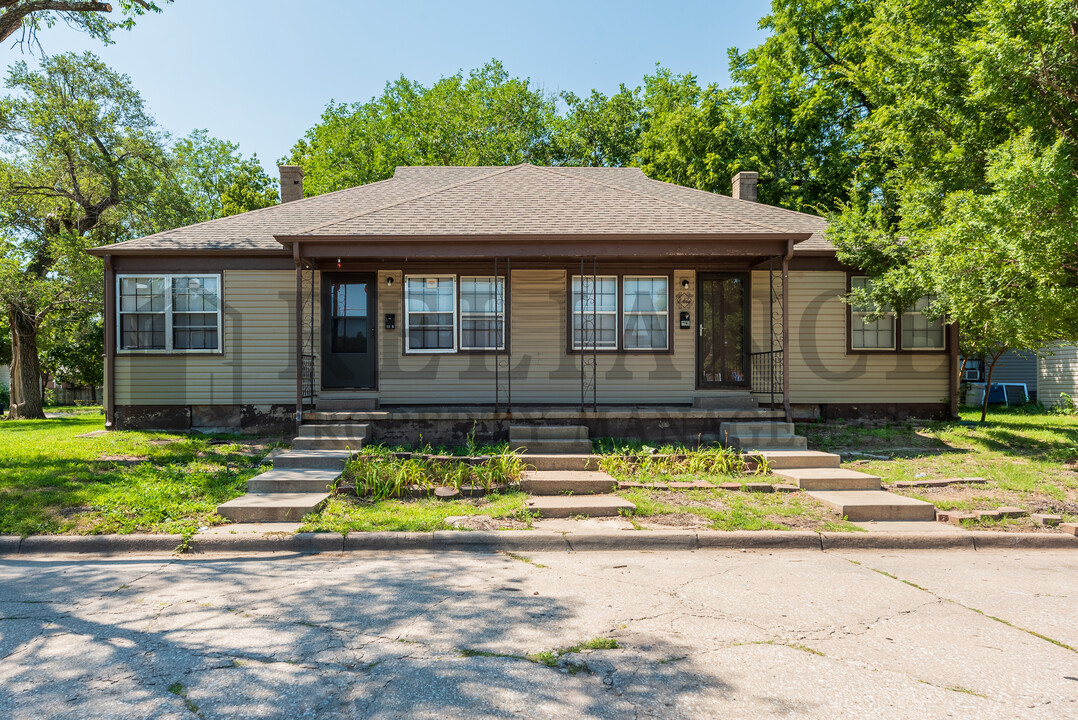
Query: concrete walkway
{"type": "Point", "coordinates": [700, 635]}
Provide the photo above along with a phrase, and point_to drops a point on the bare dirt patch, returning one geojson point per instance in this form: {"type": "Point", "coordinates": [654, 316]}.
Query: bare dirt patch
{"type": "Point", "coordinates": [686, 521]}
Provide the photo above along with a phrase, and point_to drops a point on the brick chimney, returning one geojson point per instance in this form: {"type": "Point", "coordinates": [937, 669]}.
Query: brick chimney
{"type": "Point", "coordinates": [291, 182]}
{"type": "Point", "coordinates": [745, 186]}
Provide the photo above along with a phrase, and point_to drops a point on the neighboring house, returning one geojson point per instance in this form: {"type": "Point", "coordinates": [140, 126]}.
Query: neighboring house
{"type": "Point", "coordinates": [443, 297]}
{"type": "Point", "coordinates": [1057, 373]}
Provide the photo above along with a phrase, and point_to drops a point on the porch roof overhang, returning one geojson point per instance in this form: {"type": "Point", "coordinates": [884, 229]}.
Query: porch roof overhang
{"type": "Point", "coordinates": [607, 246]}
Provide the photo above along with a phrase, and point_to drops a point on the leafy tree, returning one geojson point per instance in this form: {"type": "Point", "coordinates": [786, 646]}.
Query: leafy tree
{"type": "Point", "coordinates": [79, 144]}
{"type": "Point", "coordinates": [484, 118]}
{"type": "Point", "coordinates": [599, 130]}
{"type": "Point", "coordinates": [74, 358]}
{"type": "Point", "coordinates": [202, 178]}
{"type": "Point", "coordinates": [966, 185]}
{"type": "Point", "coordinates": [30, 16]}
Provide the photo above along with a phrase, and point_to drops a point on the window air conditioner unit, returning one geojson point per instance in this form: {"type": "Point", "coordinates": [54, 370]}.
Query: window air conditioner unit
{"type": "Point", "coordinates": [972, 375]}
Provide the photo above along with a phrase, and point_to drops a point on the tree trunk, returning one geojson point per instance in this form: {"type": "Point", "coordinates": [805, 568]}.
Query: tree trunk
{"type": "Point", "coordinates": [26, 394]}
{"type": "Point", "coordinates": [93, 394]}
{"type": "Point", "coordinates": [988, 385]}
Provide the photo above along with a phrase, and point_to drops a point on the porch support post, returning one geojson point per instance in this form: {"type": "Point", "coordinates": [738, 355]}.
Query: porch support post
{"type": "Point", "coordinates": [110, 343]}
{"type": "Point", "coordinates": [299, 332]}
{"type": "Point", "coordinates": [786, 329]}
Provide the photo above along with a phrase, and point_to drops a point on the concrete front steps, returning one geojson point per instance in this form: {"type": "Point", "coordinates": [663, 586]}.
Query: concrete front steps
{"type": "Point", "coordinates": [550, 439]}
{"type": "Point", "coordinates": [855, 495]}
{"type": "Point", "coordinates": [561, 482]}
{"type": "Point", "coordinates": [563, 479]}
{"type": "Point", "coordinates": [332, 436]}
{"type": "Point", "coordinates": [878, 505]}
{"type": "Point", "coordinates": [563, 506]}
{"type": "Point", "coordinates": [761, 436]}
{"type": "Point", "coordinates": [297, 485]}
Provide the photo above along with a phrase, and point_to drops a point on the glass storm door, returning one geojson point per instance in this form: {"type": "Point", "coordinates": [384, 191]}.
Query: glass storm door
{"type": "Point", "coordinates": [722, 342]}
{"type": "Point", "coordinates": [348, 346]}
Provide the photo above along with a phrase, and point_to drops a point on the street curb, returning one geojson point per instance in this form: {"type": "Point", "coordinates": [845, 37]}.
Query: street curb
{"type": "Point", "coordinates": [529, 541]}
{"type": "Point", "coordinates": [1023, 541]}
{"type": "Point", "coordinates": [268, 542]}
{"type": "Point", "coordinates": [897, 541]}
{"type": "Point", "coordinates": [98, 544]}
{"type": "Point", "coordinates": [759, 540]}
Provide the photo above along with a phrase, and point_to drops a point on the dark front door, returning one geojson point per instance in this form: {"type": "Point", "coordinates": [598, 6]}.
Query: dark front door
{"type": "Point", "coordinates": [348, 315]}
{"type": "Point", "coordinates": [722, 340]}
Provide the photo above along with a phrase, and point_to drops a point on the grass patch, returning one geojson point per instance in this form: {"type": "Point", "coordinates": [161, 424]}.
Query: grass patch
{"type": "Point", "coordinates": [120, 482]}
{"type": "Point", "coordinates": [727, 510]}
{"type": "Point", "coordinates": [1028, 458]}
{"type": "Point", "coordinates": [348, 514]}
{"type": "Point", "coordinates": [379, 472]}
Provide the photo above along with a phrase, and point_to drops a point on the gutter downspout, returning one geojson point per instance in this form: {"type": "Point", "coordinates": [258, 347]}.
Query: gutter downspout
{"type": "Point", "coordinates": [110, 344]}
{"type": "Point", "coordinates": [786, 329]}
{"type": "Point", "coordinates": [299, 333]}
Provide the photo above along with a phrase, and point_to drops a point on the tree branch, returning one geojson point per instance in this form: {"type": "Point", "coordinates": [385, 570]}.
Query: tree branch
{"type": "Point", "coordinates": [14, 13]}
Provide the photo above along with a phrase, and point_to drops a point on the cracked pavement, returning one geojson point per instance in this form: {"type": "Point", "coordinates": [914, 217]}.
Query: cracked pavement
{"type": "Point", "coordinates": [857, 634]}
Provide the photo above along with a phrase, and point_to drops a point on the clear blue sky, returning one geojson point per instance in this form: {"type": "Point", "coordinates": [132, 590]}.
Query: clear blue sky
{"type": "Point", "coordinates": [260, 72]}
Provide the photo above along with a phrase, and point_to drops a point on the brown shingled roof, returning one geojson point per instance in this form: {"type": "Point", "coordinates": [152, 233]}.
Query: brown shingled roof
{"type": "Point", "coordinates": [516, 200]}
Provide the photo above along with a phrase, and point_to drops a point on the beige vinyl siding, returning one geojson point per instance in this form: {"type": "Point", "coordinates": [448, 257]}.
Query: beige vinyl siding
{"type": "Point", "coordinates": [820, 369]}
{"type": "Point", "coordinates": [257, 366]}
{"type": "Point", "coordinates": [1057, 373]}
{"type": "Point", "coordinates": [542, 370]}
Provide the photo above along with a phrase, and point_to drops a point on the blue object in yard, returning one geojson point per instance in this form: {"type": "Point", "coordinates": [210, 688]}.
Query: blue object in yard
{"type": "Point", "coordinates": [997, 394]}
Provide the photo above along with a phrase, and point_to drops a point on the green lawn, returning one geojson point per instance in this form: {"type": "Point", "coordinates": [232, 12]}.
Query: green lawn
{"type": "Point", "coordinates": [351, 514]}
{"type": "Point", "coordinates": [121, 482]}
{"type": "Point", "coordinates": [1029, 459]}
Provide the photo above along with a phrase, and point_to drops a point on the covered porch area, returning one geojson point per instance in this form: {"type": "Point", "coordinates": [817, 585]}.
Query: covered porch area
{"type": "Point", "coordinates": [632, 337]}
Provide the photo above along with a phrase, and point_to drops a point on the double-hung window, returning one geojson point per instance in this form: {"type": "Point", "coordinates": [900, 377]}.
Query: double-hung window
{"type": "Point", "coordinates": [920, 333]}
{"type": "Point", "coordinates": [482, 313]}
{"type": "Point", "coordinates": [430, 313]}
{"type": "Point", "coordinates": [913, 330]}
{"type": "Point", "coordinates": [169, 313]}
{"type": "Point", "coordinates": [865, 334]}
{"type": "Point", "coordinates": [435, 324]}
{"type": "Point", "coordinates": [645, 315]}
{"type": "Point", "coordinates": [595, 312]}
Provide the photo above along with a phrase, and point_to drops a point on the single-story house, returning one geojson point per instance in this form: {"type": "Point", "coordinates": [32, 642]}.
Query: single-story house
{"type": "Point", "coordinates": [478, 294]}
{"type": "Point", "coordinates": [1046, 374]}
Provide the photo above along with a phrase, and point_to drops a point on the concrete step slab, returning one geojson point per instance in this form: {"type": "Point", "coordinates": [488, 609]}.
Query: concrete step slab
{"type": "Point", "coordinates": [327, 443]}
{"type": "Point", "coordinates": [525, 433]}
{"type": "Point", "coordinates": [272, 507]}
{"type": "Point", "coordinates": [828, 479]}
{"type": "Point", "coordinates": [312, 460]}
{"type": "Point", "coordinates": [561, 506]}
{"type": "Point", "coordinates": [756, 428]}
{"type": "Point", "coordinates": [362, 430]}
{"type": "Point", "coordinates": [292, 481]}
{"type": "Point", "coordinates": [776, 442]}
{"type": "Point", "coordinates": [782, 459]}
{"type": "Point", "coordinates": [560, 482]}
{"type": "Point", "coordinates": [563, 461]}
{"type": "Point", "coordinates": [552, 447]}
{"type": "Point", "coordinates": [725, 402]}
{"type": "Point", "coordinates": [878, 505]}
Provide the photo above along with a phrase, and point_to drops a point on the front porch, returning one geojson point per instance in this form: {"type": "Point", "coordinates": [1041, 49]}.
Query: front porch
{"type": "Point", "coordinates": [441, 425]}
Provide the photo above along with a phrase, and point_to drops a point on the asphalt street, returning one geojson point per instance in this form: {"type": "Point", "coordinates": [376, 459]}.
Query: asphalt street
{"type": "Point", "coordinates": [700, 634]}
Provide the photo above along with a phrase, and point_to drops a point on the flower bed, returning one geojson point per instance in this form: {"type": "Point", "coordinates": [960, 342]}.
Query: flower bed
{"type": "Point", "coordinates": [379, 473]}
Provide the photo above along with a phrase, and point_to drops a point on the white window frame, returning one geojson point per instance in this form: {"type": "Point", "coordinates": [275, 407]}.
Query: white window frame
{"type": "Point", "coordinates": [616, 312]}
{"type": "Point", "coordinates": [943, 331]}
{"type": "Point", "coordinates": [858, 316]}
{"type": "Point", "coordinates": [168, 349]}
{"type": "Point", "coordinates": [408, 316]}
{"type": "Point", "coordinates": [626, 313]}
{"type": "Point", "coordinates": [499, 314]}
